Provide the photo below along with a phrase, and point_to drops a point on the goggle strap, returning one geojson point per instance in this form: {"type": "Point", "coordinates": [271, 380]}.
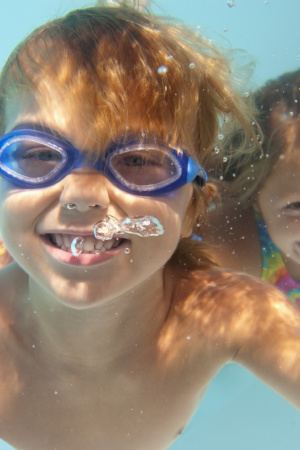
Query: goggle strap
{"type": "Point", "coordinates": [195, 172]}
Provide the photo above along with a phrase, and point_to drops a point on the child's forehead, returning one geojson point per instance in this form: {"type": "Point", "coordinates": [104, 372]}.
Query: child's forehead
{"type": "Point", "coordinates": [56, 119]}
{"type": "Point", "coordinates": [80, 125]}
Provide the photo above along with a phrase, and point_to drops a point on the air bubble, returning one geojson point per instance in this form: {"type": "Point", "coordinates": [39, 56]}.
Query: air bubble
{"type": "Point", "coordinates": [231, 3]}
{"type": "Point", "coordinates": [107, 228]}
{"type": "Point", "coordinates": [127, 251]}
{"type": "Point", "coordinates": [220, 136]}
{"type": "Point", "coordinates": [77, 246]}
{"type": "Point", "coordinates": [144, 226]}
{"type": "Point", "coordinates": [110, 227]}
{"type": "Point", "coordinates": [192, 65]}
{"type": "Point", "coordinates": [216, 150]}
{"type": "Point", "coordinates": [162, 70]}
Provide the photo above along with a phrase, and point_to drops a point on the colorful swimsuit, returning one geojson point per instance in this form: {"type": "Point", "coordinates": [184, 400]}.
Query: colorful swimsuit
{"type": "Point", "coordinates": [273, 267]}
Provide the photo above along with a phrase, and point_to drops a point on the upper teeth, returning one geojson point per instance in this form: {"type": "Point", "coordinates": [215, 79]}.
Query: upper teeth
{"type": "Point", "coordinates": [90, 244]}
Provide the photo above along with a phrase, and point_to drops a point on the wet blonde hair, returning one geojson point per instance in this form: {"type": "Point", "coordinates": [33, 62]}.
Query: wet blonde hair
{"type": "Point", "coordinates": [278, 113]}
{"type": "Point", "coordinates": [122, 70]}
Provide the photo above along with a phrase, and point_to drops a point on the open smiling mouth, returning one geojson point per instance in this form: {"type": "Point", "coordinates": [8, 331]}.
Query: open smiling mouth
{"type": "Point", "coordinates": [90, 244]}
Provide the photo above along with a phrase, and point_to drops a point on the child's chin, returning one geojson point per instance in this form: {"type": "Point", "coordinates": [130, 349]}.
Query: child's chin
{"type": "Point", "coordinates": [293, 255]}
{"type": "Point", "coordinates": [79, 304]}
{"type": "Point", "coordinates": [80, 296]}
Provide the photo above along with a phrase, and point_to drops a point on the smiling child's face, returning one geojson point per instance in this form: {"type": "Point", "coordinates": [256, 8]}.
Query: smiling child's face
{"type": "Point", "coordinates": [279, 202]}
{"type": "Point", "coordinates": [27, 214]}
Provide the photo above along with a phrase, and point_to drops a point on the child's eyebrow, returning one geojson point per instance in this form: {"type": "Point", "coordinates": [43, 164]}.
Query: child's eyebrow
{"type": "Point", "coordinates": [40, 127]}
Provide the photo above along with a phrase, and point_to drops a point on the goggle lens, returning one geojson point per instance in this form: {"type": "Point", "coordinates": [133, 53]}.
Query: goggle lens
{"type": "Point", "coordinates": [32, 159]}
{"type": "Point", "coordinates": [144, 167]}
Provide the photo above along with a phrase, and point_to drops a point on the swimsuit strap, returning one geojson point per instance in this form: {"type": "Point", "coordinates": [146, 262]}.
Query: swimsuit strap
{"type": "Point", "coordinates": [273, 269]}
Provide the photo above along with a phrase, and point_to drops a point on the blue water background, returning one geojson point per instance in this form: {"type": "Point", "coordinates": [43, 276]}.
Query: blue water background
{"type": "Point", "coordinates": [238, 411]}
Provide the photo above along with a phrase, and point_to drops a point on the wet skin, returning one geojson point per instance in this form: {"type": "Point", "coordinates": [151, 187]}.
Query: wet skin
{"type": "Point", "coordinates": [117, 355]}
{"type": "Point", "coordinates": [143, 383]}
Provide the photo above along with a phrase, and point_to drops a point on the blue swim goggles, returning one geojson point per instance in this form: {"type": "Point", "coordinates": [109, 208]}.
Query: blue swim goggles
{"type": "Point", "coordinates": [33, 158]}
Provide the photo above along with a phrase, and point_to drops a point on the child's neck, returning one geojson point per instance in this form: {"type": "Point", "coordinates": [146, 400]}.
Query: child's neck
{"type": "Point", "coordinates": [95, 338]}
{"type": "Point", "coordinates": [292, 267]}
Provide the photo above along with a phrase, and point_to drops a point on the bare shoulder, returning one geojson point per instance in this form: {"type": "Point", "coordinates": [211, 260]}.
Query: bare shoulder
{"type": "Point", "coordinates": [13, 286]}
{"type": "Point", "coordinates": [236, 294]}
{"type": "Point", "coordinates": [234, 316]}
{"type": "Point", "coordinates": [12, 282]}
{"type": "Point", "coordinates": [227, 309]}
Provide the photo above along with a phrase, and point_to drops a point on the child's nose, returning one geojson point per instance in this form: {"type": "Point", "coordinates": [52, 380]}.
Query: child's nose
{"type": "Point", "coordinates": [85, 190]}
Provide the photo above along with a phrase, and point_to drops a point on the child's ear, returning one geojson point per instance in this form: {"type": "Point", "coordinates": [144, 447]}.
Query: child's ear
{"type": "Point", "coordinates": [195, 208]}
{"type": "Point", "coordinates": [213, 194]}
{"type": "Point", "coordinates": [187, 225]}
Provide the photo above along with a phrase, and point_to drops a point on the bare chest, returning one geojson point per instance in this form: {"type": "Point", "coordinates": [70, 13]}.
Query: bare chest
{"type": "Point", "coordinates": [140, 407]}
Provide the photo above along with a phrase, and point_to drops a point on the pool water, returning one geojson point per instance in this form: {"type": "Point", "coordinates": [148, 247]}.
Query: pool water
{"type": "Point", "coordinates": [239, 412]}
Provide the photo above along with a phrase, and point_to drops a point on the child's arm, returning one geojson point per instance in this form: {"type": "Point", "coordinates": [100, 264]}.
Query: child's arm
{"type": "Point", "coordinates": [241, 318]}
{"type": "Point", "coordinates": [267, 338]}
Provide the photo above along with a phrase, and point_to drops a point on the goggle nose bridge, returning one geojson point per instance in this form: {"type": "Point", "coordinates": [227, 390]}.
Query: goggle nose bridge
{"type": "Point", "coordinates": [86, 161]}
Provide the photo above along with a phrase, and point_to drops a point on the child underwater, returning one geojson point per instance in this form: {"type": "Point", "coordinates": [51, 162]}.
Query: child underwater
{"type": "Point", "coordinates": [261, 202]}
{"type": "Point", "coordinates": [111, 112]}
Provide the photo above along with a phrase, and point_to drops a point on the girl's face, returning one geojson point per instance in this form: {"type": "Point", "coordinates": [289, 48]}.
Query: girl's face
{"type": "Point", "coordinates": [279, 202]}
{"type": "Point", "coordinates": [28, 214]}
